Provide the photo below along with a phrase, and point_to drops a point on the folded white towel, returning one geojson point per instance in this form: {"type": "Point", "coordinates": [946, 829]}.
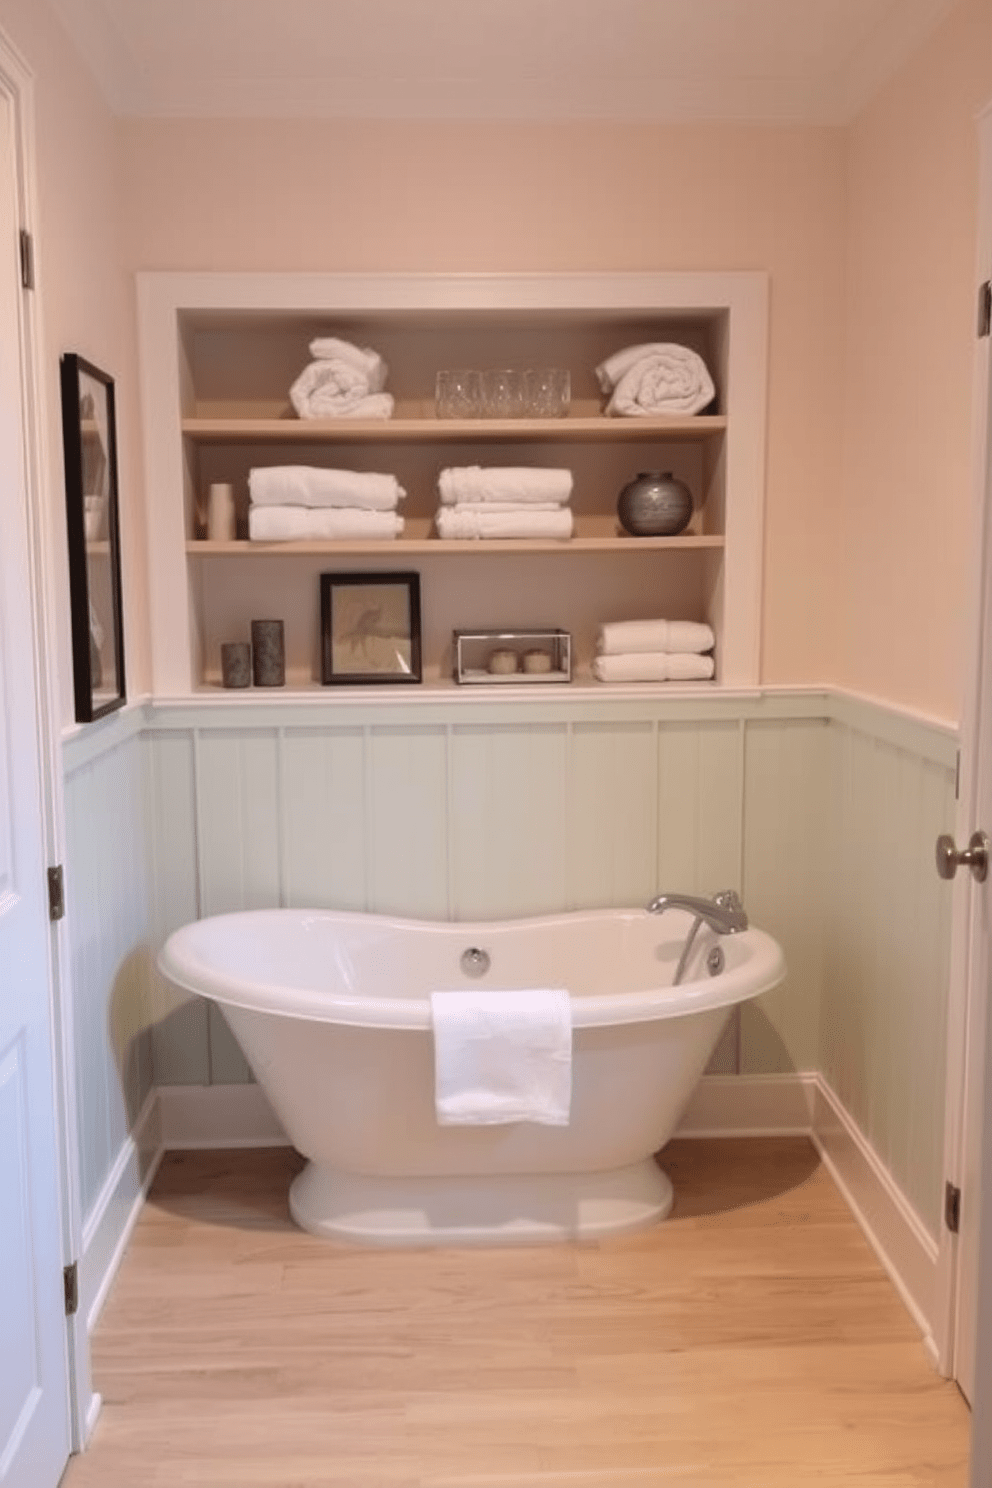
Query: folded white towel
{"type": "Point", "coordinates": [364, 360]}
{"type": "Point", "coordinates": [657, 377]}
{"type": "Point", "coordinates": [306, 485]}
{"type": "Point", "coordinates": [308, 524]}
{"type": "Point", "coordinates": [478, 521]}
{"type": "Point", "coordinates": [502, 1057]}
{"type": "Point", "coordinates": [470, 484]}
{"type": "Point", "coordinates": [653, 666]}
{"type": "Point", "coordinates": [654, 635]}
{"type": "Point", "coordinates": [487, 508]}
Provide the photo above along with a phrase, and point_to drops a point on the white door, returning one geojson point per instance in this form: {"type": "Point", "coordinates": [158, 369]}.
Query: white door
{"type": "Point", "coordinates": [34, 1406]}
{"type": "Point", "coordinates": [976, 816]}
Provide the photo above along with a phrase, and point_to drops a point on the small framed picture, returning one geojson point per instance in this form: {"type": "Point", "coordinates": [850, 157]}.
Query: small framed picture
{"type": "Point", "coordinates": [369, 627]}
{"type": "Point", "coordinates": [89, 444]}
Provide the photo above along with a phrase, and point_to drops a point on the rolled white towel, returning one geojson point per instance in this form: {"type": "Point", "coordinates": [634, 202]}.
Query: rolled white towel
{"type": "Point", "coordinates": [364, 360]}
{"type": "Point", "coordinates": [657, 377]}
{"type": "Point", "coordinates": [307, 485]}
{"type": "Point", "coordinates": [337, 389]}
{"type": "Point", "coordinates": [653, 666]}
{"type": "Point", "coordinates": [621, 636]}
{"type": "Point", "coordinates": [480, 484]}
{"type": "Point", "coordinates": [309, 524]}
{"type": "Point", "coordinates": [477, 521]}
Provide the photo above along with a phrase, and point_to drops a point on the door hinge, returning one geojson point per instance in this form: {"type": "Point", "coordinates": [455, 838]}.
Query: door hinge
{"type": "Point", "coordinates": [70, 1285]}
{"type": "Point", "coordinates": [56, 893]}
{"type": "Point", "coordinates": [952, 1207]}
{"type": "Point", "coordinates": [985, 308]}
{"type": "Point", "coordinates": [27, 259]}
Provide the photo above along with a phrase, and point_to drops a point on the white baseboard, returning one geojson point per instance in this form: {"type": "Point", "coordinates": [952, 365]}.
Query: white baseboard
{"type": "Point", "coordinates": [893, 1228]}
{"type": "Point", "coordinates": [205, 1116]}
{"type": "Point", "coordinates": [92, 1416]}
{"type": "Point", "coordinates": [195, 1116]}
{"type": "Point", "coordinates": [780, 1105]}
{"type": "Point", "coordinates": [108, 1225]}
{"type": "Point", "coordinates": [750, 1106]}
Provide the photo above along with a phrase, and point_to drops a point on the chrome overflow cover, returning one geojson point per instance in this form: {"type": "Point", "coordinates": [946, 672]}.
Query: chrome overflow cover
{"type": "Point", "coordinates": [474, 962]}
{"type": "Point", "coordinates": [715, 960]}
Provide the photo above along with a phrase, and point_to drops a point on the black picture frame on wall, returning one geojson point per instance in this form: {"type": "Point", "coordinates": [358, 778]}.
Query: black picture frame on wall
{"type": "Point", "coordinates": [369, 628]}
{"type": "Point", "coordinates": [89, 444]}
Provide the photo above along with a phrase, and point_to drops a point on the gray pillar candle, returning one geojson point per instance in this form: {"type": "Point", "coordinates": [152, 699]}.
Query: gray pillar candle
{"type": "Point", "coordinates": [235, 663]}
{"type": "Point", "coordinates": [268, 653]}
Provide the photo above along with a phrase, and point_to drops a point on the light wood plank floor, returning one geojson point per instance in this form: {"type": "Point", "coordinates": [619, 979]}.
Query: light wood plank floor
{"type": "Point", "coordinates": [751, 1339]}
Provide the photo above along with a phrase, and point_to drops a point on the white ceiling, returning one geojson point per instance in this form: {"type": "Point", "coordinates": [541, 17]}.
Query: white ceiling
{"type": "Point", "coordinates": [814, 61]}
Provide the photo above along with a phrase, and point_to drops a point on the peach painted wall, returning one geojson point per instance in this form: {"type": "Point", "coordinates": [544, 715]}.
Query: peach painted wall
{"type": "Point", "coordinates": [904, 517]}
{"type": "Point", "coordinates": [867, 233]}
{"type": "Point", "coordinates": [87, 301]}
{"type": "Point", "coordinates": [422, 196]}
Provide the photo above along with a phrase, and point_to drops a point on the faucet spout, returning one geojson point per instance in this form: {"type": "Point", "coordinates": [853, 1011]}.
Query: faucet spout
{"type": "Point", "coordinates": [724, 913]}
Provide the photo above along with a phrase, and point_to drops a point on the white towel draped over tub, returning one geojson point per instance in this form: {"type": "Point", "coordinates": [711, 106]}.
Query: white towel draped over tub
{"type": "Point", "coordinates": [502, 1056]}
{"type": "Point", "coordinates": [657, 377]}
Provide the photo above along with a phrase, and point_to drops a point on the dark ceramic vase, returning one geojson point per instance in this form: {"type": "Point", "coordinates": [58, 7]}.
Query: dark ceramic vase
{"type": "Point", "coordinates": [654, 505]}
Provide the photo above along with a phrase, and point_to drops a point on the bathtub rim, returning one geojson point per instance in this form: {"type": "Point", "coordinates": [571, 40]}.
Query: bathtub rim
{"type": "Point", "coordinates": [763, 968]}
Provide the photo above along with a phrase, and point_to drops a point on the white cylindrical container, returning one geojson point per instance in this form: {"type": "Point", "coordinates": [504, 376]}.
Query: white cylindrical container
{"type": "Point", "coordinates": [503, 662]}
{"type": "Point", "coordinates": [537, 661]}
{"type": "Point", "coordinates": [220, 512]}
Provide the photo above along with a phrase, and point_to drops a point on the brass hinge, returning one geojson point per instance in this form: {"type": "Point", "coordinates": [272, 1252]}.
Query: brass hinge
{"type": "Point", "coordinates": [27, 259]}
{"type": "Point", "coordinates": [985, 308]}
{"type": "Point", "coordinates": [952, 1207]}
{"type": "Point", "coordinates": [56, 893]}
{"type": "Point", "coordinates": [70, 1286]}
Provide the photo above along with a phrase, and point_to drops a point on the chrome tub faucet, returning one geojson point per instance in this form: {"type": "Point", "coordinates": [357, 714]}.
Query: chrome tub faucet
{"type": "Point", "coordinates": [724, 913]}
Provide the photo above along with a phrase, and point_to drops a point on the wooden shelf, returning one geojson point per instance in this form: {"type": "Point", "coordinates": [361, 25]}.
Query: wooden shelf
{"type": "Point", "coordinates": [436, 546]}
{"type": "Point", "coordinates": [429, 430]}
{"type": "Point", "coordinates": [443, 689]}
{"type": "Point", "coordinates": [220, 351]}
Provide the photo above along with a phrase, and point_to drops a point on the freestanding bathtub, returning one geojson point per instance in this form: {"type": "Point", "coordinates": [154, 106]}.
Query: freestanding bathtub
{"type": "Point", "coordinates": [333, 1013]}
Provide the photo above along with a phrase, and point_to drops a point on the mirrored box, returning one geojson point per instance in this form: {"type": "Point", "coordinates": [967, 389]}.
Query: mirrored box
{"type": "Point", "coordinates": [475, 652]}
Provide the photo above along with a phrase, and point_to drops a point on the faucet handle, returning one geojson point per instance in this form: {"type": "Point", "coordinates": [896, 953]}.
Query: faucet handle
{"type": "Point", "coordinates": [730, 902]}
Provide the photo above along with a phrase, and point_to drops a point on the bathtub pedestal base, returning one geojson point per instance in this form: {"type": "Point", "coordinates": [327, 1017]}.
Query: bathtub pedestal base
{"type": "Point", "coordinates": [497, 1209]}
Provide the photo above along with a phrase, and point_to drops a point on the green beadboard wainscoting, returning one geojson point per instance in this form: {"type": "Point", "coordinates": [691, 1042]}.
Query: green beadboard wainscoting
{"type": "Point", "coordinates": [820, 808]}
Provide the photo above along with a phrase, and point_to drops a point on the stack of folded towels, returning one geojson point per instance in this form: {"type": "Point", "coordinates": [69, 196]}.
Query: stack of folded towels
{"type": "Point", "coordinates": [658, 377]}
{"type": "Point", "coordinates": [342, 381]}
{"type": "Point", "coordinates": [653, 651]}
{"type": "Point", "coordinates": [504, 501]}
{"type": "Point", "coordinates": [296, 503]}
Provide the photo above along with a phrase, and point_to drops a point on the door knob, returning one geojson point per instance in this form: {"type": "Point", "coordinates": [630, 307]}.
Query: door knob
{"type": "Point", "coordinates": [975, 856]}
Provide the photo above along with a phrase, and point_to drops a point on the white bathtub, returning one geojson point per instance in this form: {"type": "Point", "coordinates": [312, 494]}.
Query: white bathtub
{"type": "Point", "coordinates": [332, 1012]}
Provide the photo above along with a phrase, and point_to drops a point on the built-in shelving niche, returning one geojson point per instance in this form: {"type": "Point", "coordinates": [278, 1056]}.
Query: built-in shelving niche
{"type": "Point", "coordinates": [224, 350]}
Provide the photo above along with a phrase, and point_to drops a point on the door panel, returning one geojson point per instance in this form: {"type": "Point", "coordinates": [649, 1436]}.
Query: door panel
{"type": "Point", "coordinates": [20, 1380]}
{"type": "Point", "coordinates": [34, 1408]}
